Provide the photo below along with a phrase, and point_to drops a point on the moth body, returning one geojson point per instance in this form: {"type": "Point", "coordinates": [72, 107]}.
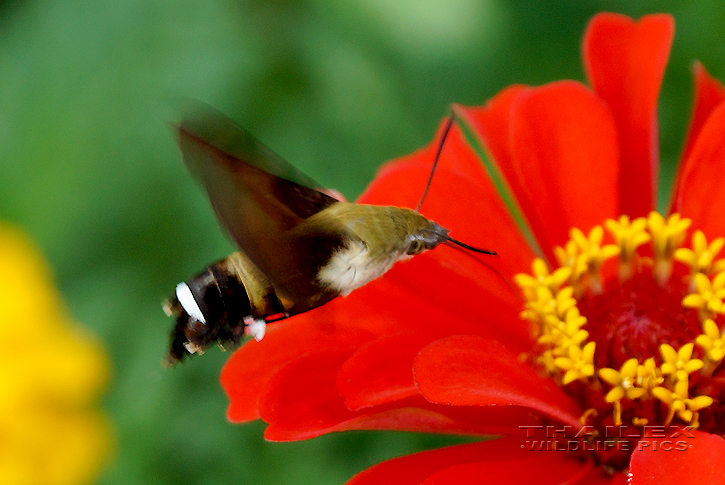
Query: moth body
{"type": "Point", "coordinates": [299, 247]}
{"type": "Point", "coordinates": [233, 297]}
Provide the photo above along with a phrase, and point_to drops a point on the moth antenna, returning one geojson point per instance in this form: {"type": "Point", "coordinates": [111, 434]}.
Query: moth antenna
{"type": "Point", "coordinates": [471, 248]}
{"type": "Point", "coordinates": [447, 129]}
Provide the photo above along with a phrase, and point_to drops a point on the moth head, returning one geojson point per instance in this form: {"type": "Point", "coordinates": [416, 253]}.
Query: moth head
{"type": "Point", "coordinates": [424, 234]}
{"type": "Point", "coordinates": [428, 236]}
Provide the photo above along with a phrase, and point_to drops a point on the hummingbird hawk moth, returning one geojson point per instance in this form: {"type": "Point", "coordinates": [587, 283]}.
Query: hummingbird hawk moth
{"type": "Point", "coordinates": [299, 247]}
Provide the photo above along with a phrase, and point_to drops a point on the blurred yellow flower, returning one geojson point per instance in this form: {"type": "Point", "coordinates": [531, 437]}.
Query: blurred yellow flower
{"type": "Point", "coordinates": [51, 376]}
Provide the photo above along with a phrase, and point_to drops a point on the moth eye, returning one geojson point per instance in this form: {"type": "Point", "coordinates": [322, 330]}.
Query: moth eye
{"type": "Point", "coordinates": [416, 246]}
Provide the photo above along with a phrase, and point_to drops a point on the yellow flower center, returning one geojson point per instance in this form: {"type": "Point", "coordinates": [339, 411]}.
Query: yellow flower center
{"type": "Point", "coordinates": [630, 323]}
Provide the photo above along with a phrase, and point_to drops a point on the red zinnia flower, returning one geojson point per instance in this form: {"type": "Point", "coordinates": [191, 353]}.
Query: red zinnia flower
{"type": "Point", "coordinates": [603, 361]}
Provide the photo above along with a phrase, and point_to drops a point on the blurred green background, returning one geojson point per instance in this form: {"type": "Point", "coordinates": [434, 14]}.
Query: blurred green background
{"type": "Point", "coordinates": [90, 170]}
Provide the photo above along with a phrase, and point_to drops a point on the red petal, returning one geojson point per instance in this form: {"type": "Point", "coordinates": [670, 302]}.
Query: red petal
{"type": "Point", "coordinates": [385, 306]}
{"type": "Point", "coordinates": [702, 194]}
{"type": "Point", "coordinates": [424, 295]}
{"type": "Point", "coordinates": [542, 470]}
{"type": "Point", "coordinates": [492, 124]}
{"type": "Point", "coordinates": [625, 61]}
{"type": "Point", "coordinates": [709, 94]}
{"type": "Point", "coordinates": [423, 417]}
{"type": "Point", "coordinates": [502, 460]}
{"type": "Point", "coordinates": [600, 476]}
{"type": "Point", "coordinates": [381, 371]}
{"type": "Point", "coordinates": [564, 145]}
{"type": "Point", "coordinates": [472, 371]}
{"type": "Point", "coordinates": [470, 308]}
{"type": "Point", "coordinates": [692, 458]}
{"type": "Point", "coordinates": [301, 401]}
{"type": "Point", "coordinates": [250, 368]}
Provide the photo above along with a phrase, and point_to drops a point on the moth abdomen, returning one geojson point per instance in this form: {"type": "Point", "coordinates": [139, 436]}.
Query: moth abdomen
{"type": "Point", "coordinates": [228, 300]}
{"type": "Point", "coordinates": [209, 308]}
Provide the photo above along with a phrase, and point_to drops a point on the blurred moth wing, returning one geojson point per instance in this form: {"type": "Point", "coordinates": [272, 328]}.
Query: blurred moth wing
{"type": "Point", "coordinates": [299, 247]}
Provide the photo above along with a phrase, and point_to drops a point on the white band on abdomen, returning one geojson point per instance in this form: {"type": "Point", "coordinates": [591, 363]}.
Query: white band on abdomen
{"type": "Point", "coordinates": [188, 302]}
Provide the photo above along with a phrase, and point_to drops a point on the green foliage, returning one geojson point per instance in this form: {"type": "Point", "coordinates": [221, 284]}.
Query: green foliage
{"type": "Point", "coordinates": [89, 168]}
